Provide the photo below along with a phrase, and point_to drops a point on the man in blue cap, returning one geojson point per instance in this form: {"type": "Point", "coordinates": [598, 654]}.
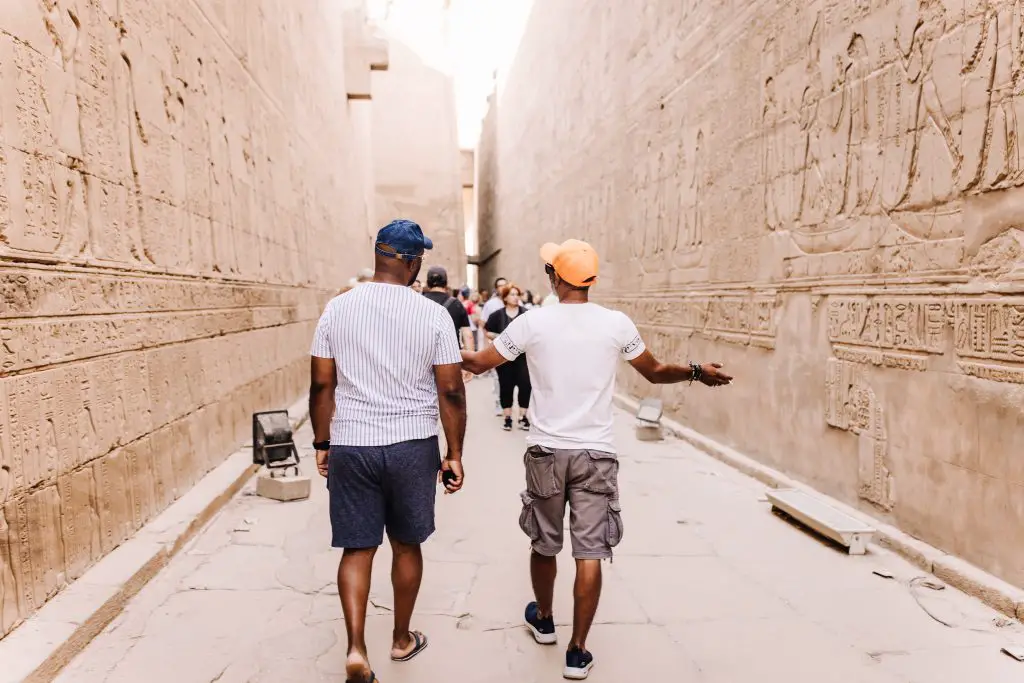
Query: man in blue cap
{"type": "Point", "coordinates": [385, 365]}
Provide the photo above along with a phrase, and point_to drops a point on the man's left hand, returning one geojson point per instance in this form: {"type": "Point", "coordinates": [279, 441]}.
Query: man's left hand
{"type": "Point", "coordinates": [712, 375]}
{"type": "Point", "coordinates": [321, 462]}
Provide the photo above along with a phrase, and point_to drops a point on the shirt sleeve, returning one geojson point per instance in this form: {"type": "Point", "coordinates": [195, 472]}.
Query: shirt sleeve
{"type": "Point", "coordinates": [321, 337]}
{"type": "Point", "coordinates": [446, 345]}
{"type": "Point", "coordinates": [515, 339]}
{"type": "Point", "coordinates": [631, 345]}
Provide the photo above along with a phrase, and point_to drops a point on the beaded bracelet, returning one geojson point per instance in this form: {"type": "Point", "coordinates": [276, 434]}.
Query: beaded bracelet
{"type": "Point", "coordinates": [695, 372]}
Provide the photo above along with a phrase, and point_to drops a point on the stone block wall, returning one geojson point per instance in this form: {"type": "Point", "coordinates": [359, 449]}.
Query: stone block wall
{"type": "Point", "coordinates": [827, 197]}
{"type": "Point", "coordinates": [416, 155]}
{"type": "Point", "coordinates": [176, 184]}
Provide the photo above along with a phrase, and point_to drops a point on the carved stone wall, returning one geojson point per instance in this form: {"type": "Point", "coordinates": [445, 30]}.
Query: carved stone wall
{"type": "Point", "coordinates": [825, 196]}
{"type": "Point", "coordinates": [417, 166]}
{"type": "Point", "coordinates": [175, 187]}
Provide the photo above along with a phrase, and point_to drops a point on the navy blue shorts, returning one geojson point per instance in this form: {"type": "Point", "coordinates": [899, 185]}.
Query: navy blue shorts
{"type": "Point", "coordinates": [373, 488]}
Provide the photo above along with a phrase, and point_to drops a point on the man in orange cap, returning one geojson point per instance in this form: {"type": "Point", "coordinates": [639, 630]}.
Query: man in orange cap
{"type": "Point", "coordinates": [572, 351]}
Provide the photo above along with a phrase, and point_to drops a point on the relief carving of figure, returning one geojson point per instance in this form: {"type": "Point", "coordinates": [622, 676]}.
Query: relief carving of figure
{"type": "Point", "coordinates": [1004, 159]}
{"type": "Point", "coordinates": [772, 166]}
{"type": "Point", "coordinates": [815, 192]}
{"type": "Point", "coordinates": [917, 60]}
{"type": "Point", "coordinates": [834, 127]}
{"type": "Point", "coordinates": [858, 186]}
{"type": "Point", "coordinates": [689, 236]}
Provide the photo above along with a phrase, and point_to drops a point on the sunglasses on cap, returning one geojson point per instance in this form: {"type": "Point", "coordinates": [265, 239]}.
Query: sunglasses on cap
{"type": "Point", "coordinates": [389, 251]}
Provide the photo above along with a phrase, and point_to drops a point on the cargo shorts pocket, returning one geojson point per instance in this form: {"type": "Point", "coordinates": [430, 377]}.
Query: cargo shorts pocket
{"type": "Point", "coordinates": [528, 517]}
{"type": "Point", "coordinates": [615, 528]}
{"type": "Point", "coordinates": [540, 472]}
{"type": "Point", "coordinates": [602, 474]}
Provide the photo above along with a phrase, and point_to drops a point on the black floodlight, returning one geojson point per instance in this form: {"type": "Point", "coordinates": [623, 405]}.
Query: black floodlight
{"type": "Point", "coordinates": [272, 444]}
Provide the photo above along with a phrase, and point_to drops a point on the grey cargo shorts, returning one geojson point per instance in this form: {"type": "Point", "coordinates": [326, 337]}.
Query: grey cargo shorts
{"type": "Point", "coordinates": [589, 482]}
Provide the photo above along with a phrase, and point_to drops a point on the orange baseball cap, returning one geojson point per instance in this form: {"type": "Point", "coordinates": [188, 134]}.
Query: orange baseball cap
{"type": "Point", "coordinates": [575, 261]}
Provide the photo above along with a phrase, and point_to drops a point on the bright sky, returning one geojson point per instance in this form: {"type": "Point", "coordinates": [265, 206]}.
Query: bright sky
{"type": "Point", "coordinates": [482, 37]}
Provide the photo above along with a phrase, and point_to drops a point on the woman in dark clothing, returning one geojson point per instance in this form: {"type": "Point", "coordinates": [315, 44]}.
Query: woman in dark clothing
{"type": "Point", "coordinates": [514, 374]}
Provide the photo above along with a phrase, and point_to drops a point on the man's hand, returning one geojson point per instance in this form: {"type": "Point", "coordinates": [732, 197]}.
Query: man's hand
{"type": "Point", "coordinates": [711, 375]}
{"type": "Point", "coordinates": [321, 462]}
{"type": "Point", "coordinates": [455, 467]}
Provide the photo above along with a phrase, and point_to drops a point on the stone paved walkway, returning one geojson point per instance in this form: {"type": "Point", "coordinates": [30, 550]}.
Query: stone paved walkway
{"type": "Point", "coordinates": [707, 586]}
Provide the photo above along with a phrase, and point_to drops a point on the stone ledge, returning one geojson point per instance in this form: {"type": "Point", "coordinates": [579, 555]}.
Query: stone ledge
{"type": "Point", "coordinates": [37, 650]}
{"type": "Point", "coordinates": [992, 591]}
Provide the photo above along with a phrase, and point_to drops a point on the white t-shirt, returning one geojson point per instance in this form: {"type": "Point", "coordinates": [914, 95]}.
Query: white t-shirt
{"type": "Point", "coordinates": [573, 352]}
{"type": "Point", "coordinates": [385, 341]}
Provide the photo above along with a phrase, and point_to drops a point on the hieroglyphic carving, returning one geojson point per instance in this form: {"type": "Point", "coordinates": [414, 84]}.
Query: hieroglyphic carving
{"type": "Point", "coordinates": [989, 330]}
{"type": "Point", "coordinates": [894, 323]}
{"type": "Point", "coordinates": [50, 293]}
{"type": "Point", "coordinates": [980, 328]}
{"type": "Point", "coordinates": [851, 405]}
{"type": "Point", "coordinates": [748, 320]}
{"type": "Point", "coordinates": [31, 344]}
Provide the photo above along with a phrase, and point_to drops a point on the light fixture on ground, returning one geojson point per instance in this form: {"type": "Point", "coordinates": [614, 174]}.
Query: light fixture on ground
{"type": "Point", "coordinates": [273, 448]}
{"type": "Point", "coordinates": [648, 420]}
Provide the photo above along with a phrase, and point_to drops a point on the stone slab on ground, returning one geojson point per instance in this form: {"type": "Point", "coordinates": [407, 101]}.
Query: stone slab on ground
{"type": "Point", "coordinates": [283, 488]}
{"type": "Point", "coordinates": [706, 586]}
{"type": "Point", "coordinates": [39, 648]}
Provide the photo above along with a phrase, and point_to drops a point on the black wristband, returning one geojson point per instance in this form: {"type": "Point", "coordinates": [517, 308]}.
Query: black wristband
{"type": "Point", "coordinates": [695, 372]}
{"type": "Point", "coordinates": [321, 445]}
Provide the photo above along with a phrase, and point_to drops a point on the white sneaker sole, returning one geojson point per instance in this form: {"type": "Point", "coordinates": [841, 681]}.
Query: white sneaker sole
{"type": "Point", "coordinates": [577, 674]}
{"type": "Point", "coordinates": [542, 638]}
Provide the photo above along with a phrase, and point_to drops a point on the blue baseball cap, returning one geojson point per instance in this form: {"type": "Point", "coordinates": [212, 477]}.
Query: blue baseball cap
{"type": "Point", "coordinates": [402, 238]}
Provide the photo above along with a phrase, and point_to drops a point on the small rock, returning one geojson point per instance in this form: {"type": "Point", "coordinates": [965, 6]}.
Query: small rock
{"type": "Point", "coordinates": [933, 584]}
{"type": "Point", "coordinates": [883, 573]}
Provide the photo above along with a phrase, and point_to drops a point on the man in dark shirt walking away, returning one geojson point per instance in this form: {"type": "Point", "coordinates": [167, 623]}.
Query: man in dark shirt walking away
{"type": "Point", "coordinates": [437, 291]}
{"type": "Point", "coordinates": [385, 363]}
{"type": "Point", "coordinates": [573, 351]}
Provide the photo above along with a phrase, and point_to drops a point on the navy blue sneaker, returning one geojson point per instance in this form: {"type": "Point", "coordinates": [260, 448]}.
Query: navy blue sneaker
{"type": "Point", "coordinates": [577, 664]}
{"type": "Point", "coordinates": [543, 630]}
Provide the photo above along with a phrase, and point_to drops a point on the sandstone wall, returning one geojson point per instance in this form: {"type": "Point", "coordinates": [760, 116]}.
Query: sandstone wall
{"type": "Point", "coordinates": [175, 186]}
{"type": "Point", "coordinates": [823, 195]}
{"type": "Point", "coordinates": [416, 155]}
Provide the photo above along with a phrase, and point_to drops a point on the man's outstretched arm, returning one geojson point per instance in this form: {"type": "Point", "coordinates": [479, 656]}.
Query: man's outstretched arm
{"type": "Point", "coordinates": [323, 380]}
{"type": "Point", "coordinates": [479, 362]}
{"type": "Point", "coordinates": [656, 372]}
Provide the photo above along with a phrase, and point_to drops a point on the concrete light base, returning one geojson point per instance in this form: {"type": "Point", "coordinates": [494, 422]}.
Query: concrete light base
{"type": "Point", "coordinates": [282, 488]}
{"type": "Point", "coordinates": [646, 431]}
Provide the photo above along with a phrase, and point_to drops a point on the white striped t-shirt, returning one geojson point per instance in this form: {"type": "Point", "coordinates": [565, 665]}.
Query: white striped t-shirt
{"type": "Point", "coordinates": [385, 341]}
